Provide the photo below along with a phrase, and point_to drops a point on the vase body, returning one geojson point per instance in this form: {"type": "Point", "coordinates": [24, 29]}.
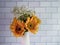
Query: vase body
{"type": "Point", "coordinates": [26, 39]}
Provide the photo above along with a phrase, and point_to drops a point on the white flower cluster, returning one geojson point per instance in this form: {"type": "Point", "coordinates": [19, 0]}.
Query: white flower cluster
{"type": "Point", "coordinates": [18, 11]}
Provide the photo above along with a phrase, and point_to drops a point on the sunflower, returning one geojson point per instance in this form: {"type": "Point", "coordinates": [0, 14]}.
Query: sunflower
{"type": "Point", "coordinates": [32, 24]}
{"type": "Point", "coordinates": [17, 27]}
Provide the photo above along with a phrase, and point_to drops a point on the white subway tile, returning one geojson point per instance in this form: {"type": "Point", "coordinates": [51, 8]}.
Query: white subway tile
{"type": "Point", "coordinates": [13, 0]}
{"type": "Point", "coordinates": [4, 43]}
{"type": "Point", "coordinates": [55, 15]}
{"type": "Point", "coordinates": [52, 21]}
{"type": "Point", "coordinates": [10, 4]}
{"type": "Point", "coordinates": [49, 39]}
{"type": "Point", "coordinates": [35, 0]}
{"type": "Point", "coordinates": [10, 39]}
{"type": "Point", "coordinates": [51, 10]}
{"type": "Point", "coordinates": [52, 0]}
{"type": "Point", "coordinates": [40, 43]}
{"type": "Point", "coordinates": [2, 4]}
{"type": "Point", "coordinates": [2, 27]}
{"type": "Point", "coordinates": [4, 10]}
{"type": "Point", "coordinates": [2, 39]}
{"type": "Point", "coordinates": [40, 10]}
{"type": "Point", "coordinates": [43, 39]}
{"type": "Point", "coordinates": [58, 21]}
{"type": "Point", "coordinates": [5, 21]}
{"type": "Point", "coordinates": [45, 4]}
{"type": "Point", "coordinates": [56, 27]}
{"type": "Point", "coordinates": [7, 27]}
{"type": "Point", "coordinates": [59, 10]}
{"type": "Point", "coordinates": [16, 44]}
{"type": "Point", "coordinates": [33, 4]}
{"type": "Point", "coordinates": [51, 43]}
{"type": "Point", "coordinates": [4, 33]}
{"type": "Point", "coordinates": [41, 15]}
{"type": "Point", "coordinates": [31, 0]}
{"type": "Point", "coordinates": [55, 4]}
{"type": "Point", "coordinates": [43, 21]}
{"type": "Point", "coordinates": [34, 39]}
{"type": "Point", "coordinates": [46, 27]}
{"type": "Point", "coordinates": [42, 33]}
{"type": "Point", "coordinates": [54, 39]}
{"type": "Point", "coordinates": [52, 33]}
{"type": "Point", "coordinates": [59, 33]}
{"type": "Point", "coordinates": [19, 4]}
{"type": "Point", "coordinates": [58, 39]}
{"type": "Point", "coordinates": [45, 15]}
{"type": "Point", "coordinates": [2, 15]}
{"type": "Point", "coordinates": [2, 0]}
{"type": "Point", "coordinates": [58, 43]}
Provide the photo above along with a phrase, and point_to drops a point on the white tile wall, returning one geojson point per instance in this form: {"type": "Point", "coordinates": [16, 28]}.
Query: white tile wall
{"type": "Point", "coordinates": [15, 43]}
{"type": "Point", "coordinates": [40, 44]}
{"type": "Point", "coordinates": [47, 10]}
{"type": "Point", "coordinates": [22, 4]}
{"type": "Point", "coordinates": [5, 33]}
{"type": "Point", "coordinates": [10, 4]}
{"type": "Point", "coordinates": [51, 43]}
{"type": "Point", "coordinates": [56, 4]}
{"type": "Point", "coordinates": [5, 44]}
{"type": "Point", "coordinates": [4, 10]}
{"type": "Point", "coordinates": [8, 39]}
{"type": "Point", "coordinates": [40, 10]}
{"type": "Point", "coordinates": [2, 4]}
{"type": "Point", "coordinates": [45, 4]}
{"type": "Point", "coordinates": [51, 10]}
{"type": "Point", "coordinates": [34, 4]}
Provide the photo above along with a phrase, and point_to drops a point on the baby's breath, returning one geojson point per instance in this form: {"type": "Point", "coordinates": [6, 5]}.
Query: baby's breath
{"type": "Point", "coordinates": [18, 11]}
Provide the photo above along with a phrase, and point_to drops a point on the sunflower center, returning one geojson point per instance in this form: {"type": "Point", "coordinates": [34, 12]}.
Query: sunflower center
{"type": "Point", "coordinates": [18, 28]}
{"type": "Point", "coordinates": [30, 25]}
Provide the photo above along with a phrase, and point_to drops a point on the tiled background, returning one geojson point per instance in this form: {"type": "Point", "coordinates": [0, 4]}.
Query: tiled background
{"type": "Point", "coordinates": [47, 10]}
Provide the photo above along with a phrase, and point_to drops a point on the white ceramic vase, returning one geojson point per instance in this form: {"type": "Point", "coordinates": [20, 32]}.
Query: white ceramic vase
{"type": "Point", "coordinates": [26, 39]}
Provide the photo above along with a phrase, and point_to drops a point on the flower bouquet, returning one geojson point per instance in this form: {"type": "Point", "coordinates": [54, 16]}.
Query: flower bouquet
{"type": "Point", "coordinates": [24, 21]}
